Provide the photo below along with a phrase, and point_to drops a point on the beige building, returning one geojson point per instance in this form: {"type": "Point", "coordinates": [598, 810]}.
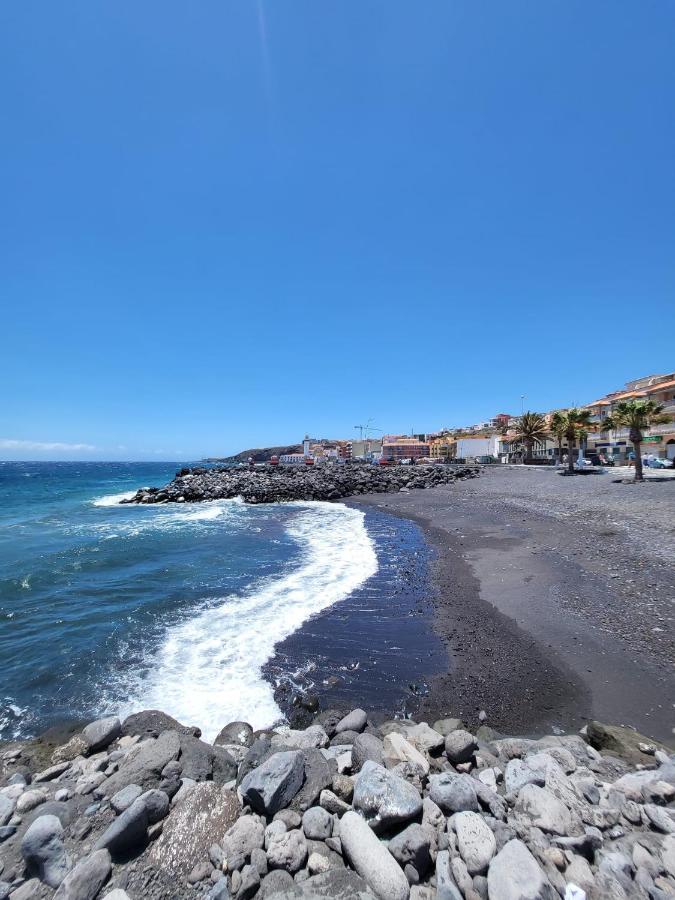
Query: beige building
{"type": "Point", "coordinates": [659, 440]}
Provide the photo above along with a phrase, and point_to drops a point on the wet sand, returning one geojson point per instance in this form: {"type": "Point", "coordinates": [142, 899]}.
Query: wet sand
{"type": "Point", "coordinates": [378, 648]}
{"type": "Point", "coordinates": [553, 608]}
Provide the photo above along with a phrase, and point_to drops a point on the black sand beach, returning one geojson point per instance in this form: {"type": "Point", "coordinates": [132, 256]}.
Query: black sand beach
{"type": "Point", "coordinates": [554, 597]}
{"type": "Point", "coordinates": [379, 645]}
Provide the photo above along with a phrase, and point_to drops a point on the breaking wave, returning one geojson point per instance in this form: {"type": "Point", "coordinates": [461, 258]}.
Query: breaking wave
{"type": "Point", "coordinates": [207, 670]}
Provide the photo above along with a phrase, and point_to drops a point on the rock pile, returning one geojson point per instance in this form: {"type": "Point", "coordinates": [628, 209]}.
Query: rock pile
{"type": "Point", "coordinates": [146, 810]}
{"type": "Point", "coordinates": [276, 484]}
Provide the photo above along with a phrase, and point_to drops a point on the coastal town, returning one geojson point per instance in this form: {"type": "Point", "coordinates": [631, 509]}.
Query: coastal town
{"type": "Point", "coordinates": [500, 438]}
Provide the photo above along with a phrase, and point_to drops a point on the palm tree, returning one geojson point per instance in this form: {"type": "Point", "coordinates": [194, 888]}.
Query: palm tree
{"type": "Point", "coordinates": [635, 415]}
{"type": "Point", "coordinates": [531, 428]}
{"type": "Point", "coordinates": [575, 423]}
{"type": "Point", "coordinates": [557, 426]}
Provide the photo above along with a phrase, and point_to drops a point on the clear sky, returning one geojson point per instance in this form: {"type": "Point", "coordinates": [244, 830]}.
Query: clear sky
{"type": "Point", "coordinates": [226, 223]}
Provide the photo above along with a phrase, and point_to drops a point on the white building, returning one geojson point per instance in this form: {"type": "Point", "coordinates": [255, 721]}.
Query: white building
{"type": "Point", "coordinates": [292, 459]}
{"type": "Point", "coordinates": [471, 447]}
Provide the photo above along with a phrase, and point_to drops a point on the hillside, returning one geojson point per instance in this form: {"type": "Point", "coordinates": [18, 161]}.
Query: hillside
{"type": "Point", "coordinates": [259, 454]}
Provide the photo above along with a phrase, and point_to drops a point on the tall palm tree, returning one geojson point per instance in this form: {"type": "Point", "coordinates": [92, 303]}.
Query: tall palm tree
{"type": "Point", "coordinates": [635, 415]}
{"type": "Point", "coordinates": [557, 426]}
{"type": "Point", "coordinates": [576, 423]}
{"type": "Point", "coordinates": [531, 428]}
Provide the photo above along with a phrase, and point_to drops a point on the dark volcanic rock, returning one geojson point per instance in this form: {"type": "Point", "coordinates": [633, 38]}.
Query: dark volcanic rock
{"type": "Point", "coordinates": [276, 484]}
{"type": "Point", "coordinates": [152, 722]}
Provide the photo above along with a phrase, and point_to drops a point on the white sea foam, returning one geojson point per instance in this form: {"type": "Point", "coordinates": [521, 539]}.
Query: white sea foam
{"type": "Point", "coordinates": [113, 499]}
{"type": "Point", "coordinates": [153, 517]}
{"type": "Point", "coordinates": [208, 670]}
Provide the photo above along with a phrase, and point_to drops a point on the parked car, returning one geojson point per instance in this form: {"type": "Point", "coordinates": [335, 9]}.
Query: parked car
{"type": "Point", "coordinates": [657, 463]}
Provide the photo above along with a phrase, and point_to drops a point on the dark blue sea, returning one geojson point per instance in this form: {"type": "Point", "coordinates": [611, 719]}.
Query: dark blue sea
{"type": "Point", "coordinates": [206, 611]}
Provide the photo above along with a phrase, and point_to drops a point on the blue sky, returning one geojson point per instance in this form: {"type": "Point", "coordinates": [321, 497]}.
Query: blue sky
{"type": "Point", "coordinates": [224, 224]}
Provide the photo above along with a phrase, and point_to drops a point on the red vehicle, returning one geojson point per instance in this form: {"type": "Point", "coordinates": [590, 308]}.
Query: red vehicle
{"type": "Point", "coordinates": [274, 460]}
{"type": "Point", "coordinates": [309, 460]}
{"type": "Point", "coordinates": [386, 461]}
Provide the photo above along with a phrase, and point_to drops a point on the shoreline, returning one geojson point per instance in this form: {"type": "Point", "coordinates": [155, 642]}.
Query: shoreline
{"type": "Point", "coordinates": [351, 652]}
{"type": "Point", "coordinates": [489, 658]}
{"type": "Point", "coordinates": [525, 608]}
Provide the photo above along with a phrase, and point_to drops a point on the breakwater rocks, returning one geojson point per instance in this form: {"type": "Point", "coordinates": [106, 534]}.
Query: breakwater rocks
{"type": "Point", "coordinates": [146, 810]}
{"type": "Point", "coordinates": [276, 484]}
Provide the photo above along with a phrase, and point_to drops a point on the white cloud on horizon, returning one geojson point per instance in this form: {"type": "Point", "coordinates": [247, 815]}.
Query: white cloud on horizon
{"type": "Point", "coordinates": [44, 446]}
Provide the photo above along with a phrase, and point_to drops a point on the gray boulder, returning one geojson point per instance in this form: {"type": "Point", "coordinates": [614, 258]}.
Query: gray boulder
{"type": "Point", "coordinates": [275, 884]}
{"type": "Point", "coordinates": [123, 799]}
{"type": "Point", "coordinates": [152, 722]}
{"type": "Point", "coordinates": [454, 793]}
{"type": "Point", "coordinates": [275, 782]}
{"type": "Point", "coordinates": [518, 773]}
{"type": "Point", "coordinates": [287, 851]}
{"type": "Point", "coordinates": [426, 739]}
{"type": "Point", "coordinates": [659, 819]}
{"type": "Point", "coordinates": [356, 721]}
{"type": "Point", "coordinates": [476, 842]}
{"type": "Point", "coordinates": [411, 847]}
{"type": "Point", "coordinates": [29, 890]}
{"type": "Point", "coordinates": [198, 821]}
{"type": "Point", "coordinates": [225, 766]}
{"type": "Point", "coordinates": [317, 823]}
{"type": "Point", "coordinates": [99, 734]}
{"type": "Point", "coordinates": [6, 809]}
{"type": "Point", "coordinates": [366, 747]}
{"type": "Point", "coordinates": [144, 763]}
{"type": "Point", "coordinates": [128, 833]}
{"type": "Point", "coordinates": [256, 754]}
{"type": "Point", "coordinates": [87, 878]}
{"type": "Point", "coordinates": [460, 746]}
{"type": "Point", "coordinates": [514, 874]}
{"type": "Point", "coordinates": [247, 834]}
{"type": "Point", "coordinates": [371, 859]}
{"type": "Point", "coordinates": [43, 851]}
{"type": "Point", "coordinates": [336, 884]}
{"type": "Point", "coordinates": [156, 804]}
{"type": "Point", "coordinates": [219, 891]}
{"type": "Point", "coordinates": [235, 733]}
{"type": "Point", "coordinates": [196, 758]}
{"type": "Point", "coordinates": [446, 889]}
{"type": "Point", "coordinates": [332, 803]}
{"type": "Point", "coordinates": [250, 882]}
{"type": "Point", "coordinates": [544, 809]}
{"type": "Point", "coordinates": [312, 738]}
{"type": "Point", "coordinates": [203, 762]}
{"type": "Point", "coordinates": [385, 799]}
{"type": "Point", "coordinates": [447, 726]}
{"type": "Point", "coordinates": [318, 776]}
{"type": "Point", "coordinates": [668, 854]}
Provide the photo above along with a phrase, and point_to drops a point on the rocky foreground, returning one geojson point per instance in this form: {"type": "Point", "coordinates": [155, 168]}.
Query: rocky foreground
{"type": "Point", "coordinates": [342, 809]}
{"type": "Point", "coordinates": [277, 484]}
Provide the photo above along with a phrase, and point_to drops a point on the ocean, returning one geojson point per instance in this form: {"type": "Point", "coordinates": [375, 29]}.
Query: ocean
{"type": "Point", "coordinates": [209, 611]}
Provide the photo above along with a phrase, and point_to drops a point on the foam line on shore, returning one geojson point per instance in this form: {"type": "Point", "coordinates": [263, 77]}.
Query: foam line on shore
{"type": "Point", "coordinates": [208, 669]}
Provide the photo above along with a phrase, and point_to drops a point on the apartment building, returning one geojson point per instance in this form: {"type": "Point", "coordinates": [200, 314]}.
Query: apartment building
{"type": "Point", "coordinates": [658, 440]}
{"type": "Point", "coordinates": [403, 447]}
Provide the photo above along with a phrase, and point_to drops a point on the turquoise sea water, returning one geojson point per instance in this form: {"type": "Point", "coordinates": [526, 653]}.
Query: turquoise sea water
{"type": "Point", "coordinates": [106, 607]}
{"type": "Point", "coordinates": [209, 611]}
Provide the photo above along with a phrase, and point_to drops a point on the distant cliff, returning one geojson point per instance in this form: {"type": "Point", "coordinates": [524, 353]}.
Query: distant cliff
{"type": "Point", "coordinates": [259, 454]}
